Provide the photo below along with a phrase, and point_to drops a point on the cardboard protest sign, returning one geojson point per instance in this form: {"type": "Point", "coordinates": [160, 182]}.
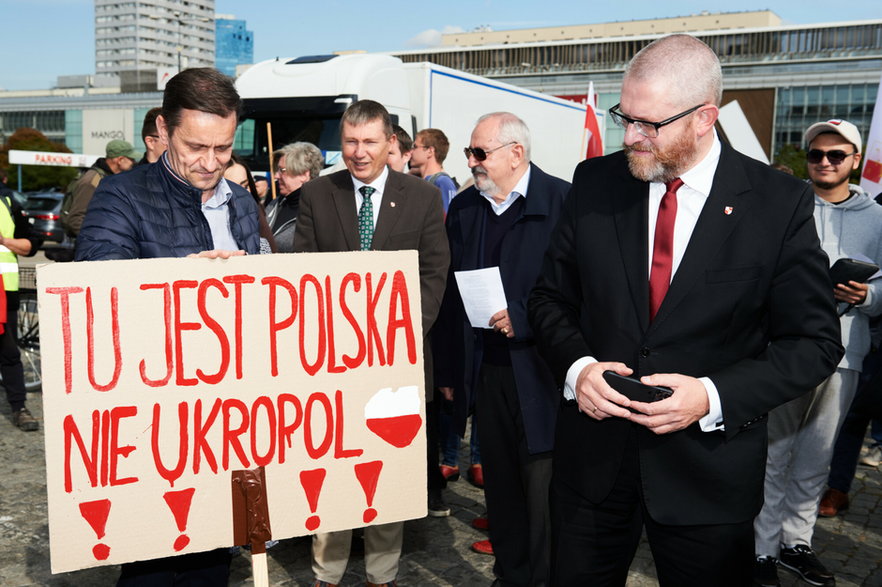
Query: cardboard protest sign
{"type": "Point", "coordinates": [165, 379]}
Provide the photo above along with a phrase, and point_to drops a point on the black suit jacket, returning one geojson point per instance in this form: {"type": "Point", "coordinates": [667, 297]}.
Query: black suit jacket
{"type": "Point", "coordinates": [459, 346]}
{"type": "Point", "coordinates": [411, 217]}
{"type": "Point", "coordinates": [750, 306]}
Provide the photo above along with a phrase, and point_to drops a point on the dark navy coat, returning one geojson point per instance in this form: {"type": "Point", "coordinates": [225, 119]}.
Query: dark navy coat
{"type": "Point", "coordinates": [458, 347]}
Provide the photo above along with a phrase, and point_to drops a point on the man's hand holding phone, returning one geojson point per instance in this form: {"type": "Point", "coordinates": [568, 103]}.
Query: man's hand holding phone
{"type": "Point", "coordinates": [687, 404]}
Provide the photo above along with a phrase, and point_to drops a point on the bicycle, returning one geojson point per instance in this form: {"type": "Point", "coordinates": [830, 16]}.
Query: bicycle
{"type": "Point", "coordinates": [28, 334]}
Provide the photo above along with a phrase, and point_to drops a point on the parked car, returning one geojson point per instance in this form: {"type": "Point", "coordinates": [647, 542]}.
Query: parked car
{"type": "Point", "coordinates": [43, 210]}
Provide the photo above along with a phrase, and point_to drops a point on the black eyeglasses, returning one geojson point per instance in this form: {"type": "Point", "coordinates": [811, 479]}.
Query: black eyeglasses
{"type": "Point", "coordinates": [480, 154]}
{"type": "Point", "coordinates": [835, 157]}
{"type": "Point", "coordinates": [644, 127]}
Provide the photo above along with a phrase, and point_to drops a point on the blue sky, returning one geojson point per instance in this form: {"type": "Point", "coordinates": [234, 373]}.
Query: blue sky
{"type": "Point", "coordinates": [43, 39]}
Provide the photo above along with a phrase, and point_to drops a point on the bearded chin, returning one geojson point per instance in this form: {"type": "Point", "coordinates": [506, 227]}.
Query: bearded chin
{"type": "Point", "coordinates": [641, 167]}
{"type": "Point", "coordinates": [665, 164]}
{"type": "Point", "coordinates": [483, 181]}
{"type": "Point", "coordinates": [829, 185]}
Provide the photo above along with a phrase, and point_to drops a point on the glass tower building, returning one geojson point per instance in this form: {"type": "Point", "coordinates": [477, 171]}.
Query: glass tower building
{"type": "Point", "coordinates": [234, 44]}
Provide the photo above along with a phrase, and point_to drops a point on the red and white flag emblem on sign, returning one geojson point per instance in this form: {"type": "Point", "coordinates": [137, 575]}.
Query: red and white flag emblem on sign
{"type": "Point", "coordinates": [394, 416]}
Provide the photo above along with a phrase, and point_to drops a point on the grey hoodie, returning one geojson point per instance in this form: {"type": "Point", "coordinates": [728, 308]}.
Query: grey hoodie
{"type": "Point", "coordinates": [853, 229]}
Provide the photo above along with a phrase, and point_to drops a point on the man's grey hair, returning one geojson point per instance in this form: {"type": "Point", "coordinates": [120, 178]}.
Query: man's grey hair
{"type": "Point", "coordinates": [511, 130]}
{"type": "Point", "coordinates": [690, 68]}
{"type": "Point", "coordinates": [299, 157]}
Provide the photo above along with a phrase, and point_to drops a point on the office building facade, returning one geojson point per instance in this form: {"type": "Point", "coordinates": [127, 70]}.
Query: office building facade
{"type": "Point", "coordinates": [134, 40]}
{"type": "Point", "coordinates": [785, 77]}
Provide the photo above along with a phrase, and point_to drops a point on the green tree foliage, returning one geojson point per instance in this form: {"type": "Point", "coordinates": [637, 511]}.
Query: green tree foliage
{"type": "Point", "coordinates": [794, 158]}
{"type": "Point", "coordinates": [35, 177]}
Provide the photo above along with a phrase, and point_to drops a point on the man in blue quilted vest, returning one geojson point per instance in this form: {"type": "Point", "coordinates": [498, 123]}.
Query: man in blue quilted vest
{"type": "Point", "coordinates": [175, 207]}
{"type": "Point", "coordinates": [181, 204]}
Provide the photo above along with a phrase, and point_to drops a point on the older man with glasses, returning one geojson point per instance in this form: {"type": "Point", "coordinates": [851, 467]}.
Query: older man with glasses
{"type": "Point", "coordinates": [802, 432]}
{"type": "Point", "coordinates": [681, 263]}
{"type": "Point", "coordinates": [504, 221]}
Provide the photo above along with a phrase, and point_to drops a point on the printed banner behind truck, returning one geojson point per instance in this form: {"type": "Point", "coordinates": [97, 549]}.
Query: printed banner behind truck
{"type": "Point", "coordinates": [165, 379]}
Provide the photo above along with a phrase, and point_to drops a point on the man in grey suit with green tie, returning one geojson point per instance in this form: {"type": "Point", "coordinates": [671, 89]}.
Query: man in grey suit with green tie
{"type": "Point", "coordinates": [367, 206]}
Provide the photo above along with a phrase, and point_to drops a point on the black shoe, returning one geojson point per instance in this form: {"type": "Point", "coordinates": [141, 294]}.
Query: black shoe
{"type": "Point", "coordinates": [25, 421]}
{"type": "Point", "coordinates": [437, 507]}
{"type": "Point", "coordinates": [801, 559]}
{"type": "Point", "coordinates": [765, 572]}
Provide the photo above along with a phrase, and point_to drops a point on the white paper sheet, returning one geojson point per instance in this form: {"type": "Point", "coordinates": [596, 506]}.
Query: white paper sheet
{"type": "Point", "coordinates": [482, 294]}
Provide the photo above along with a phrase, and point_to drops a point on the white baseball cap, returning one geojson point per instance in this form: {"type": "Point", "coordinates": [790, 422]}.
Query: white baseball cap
{"type": "Point", "coordinates": [847, 130]}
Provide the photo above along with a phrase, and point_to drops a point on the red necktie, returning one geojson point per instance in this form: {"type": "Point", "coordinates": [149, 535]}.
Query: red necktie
{"type": "Point", "coordinates": [663, 248]}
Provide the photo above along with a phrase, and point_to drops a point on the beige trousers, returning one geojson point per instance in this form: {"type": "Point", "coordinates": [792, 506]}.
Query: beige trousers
{"type": "Point", "coordinates": [382, 550]}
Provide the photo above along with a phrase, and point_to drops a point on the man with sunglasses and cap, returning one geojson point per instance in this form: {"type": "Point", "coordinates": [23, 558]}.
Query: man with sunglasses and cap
{"type": "Point", "coordinates": [803, 431]}
{"type": "Point", "coordinates": [504, 221]}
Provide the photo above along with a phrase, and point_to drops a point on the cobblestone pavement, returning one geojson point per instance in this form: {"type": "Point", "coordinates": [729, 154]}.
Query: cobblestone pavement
{"type": "Point", "coordinates": [436, 550]}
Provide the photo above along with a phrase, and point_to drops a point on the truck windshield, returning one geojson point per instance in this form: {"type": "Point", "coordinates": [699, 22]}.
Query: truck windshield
{"type": "Point", "coordinates": [313, 120]}
{"type": "Point", "coordinates": [252, 143]}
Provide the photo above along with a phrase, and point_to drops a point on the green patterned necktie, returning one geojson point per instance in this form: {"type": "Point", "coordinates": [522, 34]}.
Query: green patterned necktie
{"type": "Point", "coordinates": [366, 218]}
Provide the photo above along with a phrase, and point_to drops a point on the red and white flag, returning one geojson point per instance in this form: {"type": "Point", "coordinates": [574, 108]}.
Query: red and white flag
{"type": "Point", "coordinates": [592, 140]}
{"type": "Point", "coordinates": [871, 177]}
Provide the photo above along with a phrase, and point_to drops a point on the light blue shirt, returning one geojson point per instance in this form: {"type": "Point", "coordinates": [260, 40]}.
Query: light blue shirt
{"type": "Point", "coordinates": [217, 212]}
{"type": "Point", "coordinates": [520, 189]}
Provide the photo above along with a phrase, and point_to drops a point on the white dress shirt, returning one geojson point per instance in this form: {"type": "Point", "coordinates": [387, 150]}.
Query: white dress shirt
{"type": "Point", "coordinates": [691, 197]}
{"type": "Point", "coordinates": [379, 185]}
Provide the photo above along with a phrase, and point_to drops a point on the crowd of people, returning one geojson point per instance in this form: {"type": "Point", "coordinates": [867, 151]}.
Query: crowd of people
{"type": "Point", "coordinates": [675, 263]}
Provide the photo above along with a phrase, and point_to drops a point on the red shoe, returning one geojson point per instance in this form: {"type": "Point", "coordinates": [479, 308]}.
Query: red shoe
{"type": "Point", "coordinates": [476, 476]}
{"type": "Point", "coordinates": [834, 502]}
{"type": "Point", "coordinates": [481, 523]}
{"type": "Point", "coordinates": [483, 547]}
{"type": "Point", "coordinates": [450, 473]}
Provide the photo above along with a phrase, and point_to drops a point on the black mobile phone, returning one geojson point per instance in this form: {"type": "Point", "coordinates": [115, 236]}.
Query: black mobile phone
{"type": "Point", "coordinates": [634, 390]}
{"type": "Point", "coordinates": [845, 270]}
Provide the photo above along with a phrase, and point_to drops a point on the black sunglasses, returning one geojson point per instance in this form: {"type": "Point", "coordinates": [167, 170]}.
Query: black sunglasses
{"type": "Point", "coordinates": [480, 154]}
{"type": "Point", "coordinates": [835, 157]}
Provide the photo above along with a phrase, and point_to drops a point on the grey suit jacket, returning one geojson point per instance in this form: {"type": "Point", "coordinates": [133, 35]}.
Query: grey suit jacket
{"type": "Point", "coordinates": [411, 217]}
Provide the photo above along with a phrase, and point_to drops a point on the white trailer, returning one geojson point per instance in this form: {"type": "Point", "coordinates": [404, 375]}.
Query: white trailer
{"type": "Point", "coordinates": [304, 98]}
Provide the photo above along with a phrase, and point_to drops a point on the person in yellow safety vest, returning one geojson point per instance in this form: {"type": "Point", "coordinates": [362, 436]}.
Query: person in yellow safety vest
{"type": "Point", "coordinates": [16, 238]}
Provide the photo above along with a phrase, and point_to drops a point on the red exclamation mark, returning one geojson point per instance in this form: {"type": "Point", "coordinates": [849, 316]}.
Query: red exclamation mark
{"type": "Point", "coordinates": [368, 474]}
{"type": "Point", "coordinates": [312, 486]}
{"type": "Point", "coordinates": [96, 513]}
{"type": "Point", "coordinates": [179, 504]}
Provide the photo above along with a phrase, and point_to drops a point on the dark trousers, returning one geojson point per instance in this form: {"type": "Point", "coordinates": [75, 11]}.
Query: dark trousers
{"type": "Point", "coordinates": [434, 479]}
{"type": "Point", "coordinates": [515, 482]}
{"type": "Point", "coordinates": [201, 569]}
{"type": "Point", "coordinates": [594, 544]}
{"type": "Point", "coordinates": [10, 358]}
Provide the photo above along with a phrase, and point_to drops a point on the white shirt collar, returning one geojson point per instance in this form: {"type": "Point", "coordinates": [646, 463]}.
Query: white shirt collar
{"type": "Point", "coordinates": [378, 184]}
{"type": "Point", "coordinates": [222, 194]}
{"type": "Point", "coordinates": [520, 189]}
{"type": "Point", "coordinates": [701, 176]}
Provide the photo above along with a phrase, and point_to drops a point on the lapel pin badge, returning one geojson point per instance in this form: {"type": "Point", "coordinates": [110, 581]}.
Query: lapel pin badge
{"type": "Point", "coordinates": [728, 210]}
{"type": "Point", "coordinates": [391, 204]}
